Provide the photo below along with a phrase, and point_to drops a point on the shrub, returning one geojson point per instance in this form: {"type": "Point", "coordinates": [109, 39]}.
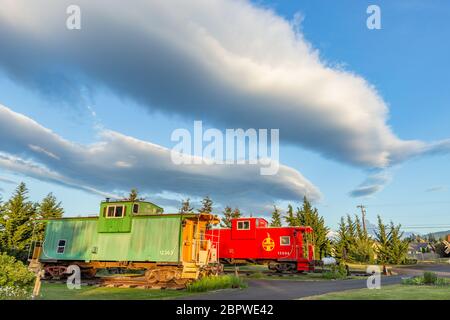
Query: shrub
{"type": "Point", "coordinates": [429, 277]}
{"type": "Point", "coordinates": [16, 281]}
{"type": "Point", "coordinates": [442, 282]}
{"type": "Point", "coordinates": [215, 283]}
{"type": "Point", "coordinates": [417, 281]}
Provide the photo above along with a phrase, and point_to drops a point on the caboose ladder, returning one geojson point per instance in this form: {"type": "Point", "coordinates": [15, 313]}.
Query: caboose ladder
{"type": "Point", "coordinates": [190, 270]}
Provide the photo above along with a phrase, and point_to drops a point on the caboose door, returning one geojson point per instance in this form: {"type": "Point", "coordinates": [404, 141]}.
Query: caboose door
{"type": "Point", "coordinates": [188, 241]}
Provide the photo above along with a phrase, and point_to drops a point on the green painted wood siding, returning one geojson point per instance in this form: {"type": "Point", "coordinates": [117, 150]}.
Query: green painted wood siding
{"type": "Point", "coordinates": [153, 238]}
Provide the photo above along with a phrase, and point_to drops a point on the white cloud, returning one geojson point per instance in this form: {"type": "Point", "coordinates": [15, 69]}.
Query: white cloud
{"type": "Point", "coordinates": [229, 62]}
{"type": "Point", "coordinates": [372, 184]}
{"type": "Point", "coordinates": [118, 163]}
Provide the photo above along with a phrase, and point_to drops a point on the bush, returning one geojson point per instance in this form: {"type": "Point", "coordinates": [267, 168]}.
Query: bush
{"type": "Point", "coordinates": [16, 281]}
{"type": "Point", "coordinates": [416, 281]}
{"type": "Point", "coordinates": [429, 277]}
{"type": "Point", "coordinates": [215, 283]}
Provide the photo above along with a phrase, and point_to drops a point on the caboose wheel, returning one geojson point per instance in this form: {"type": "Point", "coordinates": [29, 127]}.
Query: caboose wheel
{"type": "Point", "coordinates": [166, 275]}
{"type": "Point", "coordinates": [151, 276]}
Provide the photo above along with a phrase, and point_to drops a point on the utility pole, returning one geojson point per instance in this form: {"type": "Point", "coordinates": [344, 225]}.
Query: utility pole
{"type": "Point", "coordinates": [363, 213]}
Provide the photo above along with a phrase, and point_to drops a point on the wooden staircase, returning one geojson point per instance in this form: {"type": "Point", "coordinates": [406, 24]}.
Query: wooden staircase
{"type": "Point", "coordinates": [190, 270]}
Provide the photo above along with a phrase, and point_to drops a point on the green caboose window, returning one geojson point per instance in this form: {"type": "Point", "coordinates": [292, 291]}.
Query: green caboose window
{"type": "Point", "coordinates": [61, 246]}
{"type": "Point", "coordinates": [115, 212]}
{"type": "Point", "coordinates": [111, 212]}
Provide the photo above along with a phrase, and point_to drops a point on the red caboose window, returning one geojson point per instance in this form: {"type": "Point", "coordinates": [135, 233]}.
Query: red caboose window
{"type": "Point", "coordinates": [243, 225]}
{"type": "Point", "coordinates": [285, 241]}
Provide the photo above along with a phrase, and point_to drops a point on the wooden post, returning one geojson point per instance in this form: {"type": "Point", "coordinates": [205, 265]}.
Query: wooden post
{"type": "Point", "coordinates": [37, 284]}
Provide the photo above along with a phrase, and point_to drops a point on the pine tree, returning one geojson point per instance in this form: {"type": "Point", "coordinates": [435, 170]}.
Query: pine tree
{"type": "Point", "coordinates": [398, 248]}
{"type": "Point", "coordinates": [17, 222]}
{"type": "Point", "coordinates": [363, 247]}
{"type": "Point", "coordinates": [236, 213]}
{"type": "Point", "coordinates": [382, 237]}
{"type": "Point", "coordinates": [133, 196]}
{"type": "Point", "coordinates": [227, 216]}
{"type": "Point", "coordinates": [48, 208]}
{"type": "Point", "coordinates": [290, 218]}
{"type": "Point", "coordinates": [186, 207]}
{"type": "Point", "coordinates": [341, 244]}
{"type": "Point", "coordinates": [309, 216]}
{"type": "Point", "coordinates": [207, 205]}
{"type": "Point", "coordinates": [276, 217]}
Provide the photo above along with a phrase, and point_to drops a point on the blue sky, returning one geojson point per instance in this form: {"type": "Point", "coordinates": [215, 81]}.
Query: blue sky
{"type": "Point", "coordinates": [406, 62]}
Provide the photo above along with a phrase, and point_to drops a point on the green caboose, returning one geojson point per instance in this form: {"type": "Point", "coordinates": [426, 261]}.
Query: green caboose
{"type": "Point", "coordinates": [131, 235]}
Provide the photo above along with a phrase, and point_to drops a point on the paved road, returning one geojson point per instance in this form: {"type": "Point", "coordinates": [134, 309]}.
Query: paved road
{"type": "Point", "coordinates": [291, 289]}
{"type": "Point", "coordinates": [442, 270]}
{"type": "Point", "coordinates": [287, 289]}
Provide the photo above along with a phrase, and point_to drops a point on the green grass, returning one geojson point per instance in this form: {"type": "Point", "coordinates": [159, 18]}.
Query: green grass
{"type": "Point", "coordinates": [53, 291]}
{"type": "Point", "coordinates": [391, 292]}
{"type": "Point", "coordinates": [215, 283]}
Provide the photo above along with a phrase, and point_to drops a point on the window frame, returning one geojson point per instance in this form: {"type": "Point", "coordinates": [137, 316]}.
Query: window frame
{"type": "Point", "coordinates": [58, 246]}
{"type": "Point", "coordinates": [135, 205]}
{"type": "Point", "coordinates": [115, 209]}
{"type": "Point", "coordinates": [285, 244]}
{"type": "Point", "coordinates": [243, 223]}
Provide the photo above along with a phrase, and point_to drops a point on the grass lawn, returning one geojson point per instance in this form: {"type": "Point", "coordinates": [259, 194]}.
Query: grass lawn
{"type": "Point", "coordinates": [258, 273]}
{"type": "Point", "coordinates": [392, 292]}
{"type": "Point", "coordinates": [57, 291]}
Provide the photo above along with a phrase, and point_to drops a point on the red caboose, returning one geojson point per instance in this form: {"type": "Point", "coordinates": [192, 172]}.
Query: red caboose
{"type": "Point", "coordinates": [252, 240]}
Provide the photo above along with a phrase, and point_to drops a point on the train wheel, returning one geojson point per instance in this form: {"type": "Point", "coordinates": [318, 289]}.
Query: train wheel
{"type": "Point", "coordinates": [166, 275]}
{"type": "Point", "coordinates": [151, 276]}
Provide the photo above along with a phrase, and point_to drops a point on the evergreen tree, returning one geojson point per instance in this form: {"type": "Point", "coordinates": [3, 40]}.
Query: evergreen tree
{"type": "Point", "coordinates": [351, 230]}
{"type": "Point", "coordinates": [290, 218]}
{"type": "Point", "coordinates": [341, 245]}
{"type": "Point", "coordinates": [186, 207]}
{"type": "Point", "coordinates": [382, 237]}
{"type": "Point", "coordinates": [236, 213]}
{"type": "Point", "coordinates": [309, 216]}
{"type": "Point", "coordinates": [227, 216]}
{"type": "Point", "coordinates": [17, 222]}
{"type": "Point", "coordinates": [207, 205]}
{"type": "Point", "coordinates": [276, 217]}
{"type": "Point", "coordinates": [133, 196]}
{"type": "Point", "coordinates": [363, 250]}
{"type": "Point", "coordinates": [48, 208]}
{"type": "Point", "coordinates": [398, 248]}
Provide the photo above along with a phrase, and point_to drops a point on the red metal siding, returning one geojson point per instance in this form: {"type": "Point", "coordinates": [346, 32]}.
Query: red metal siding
{"type": "Point", "coordinates": [262, 242]}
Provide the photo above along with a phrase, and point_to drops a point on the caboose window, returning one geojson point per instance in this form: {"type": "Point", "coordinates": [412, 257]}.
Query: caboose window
{"type": "Point", "coordinates": [285, 241]}
{"type": "Point", "coordinates": [116, 212]}
{"type": "Point", "coordinates": [119, 212]}
{"type": "Point", "coordinates": [111, 212]}
{"type": "Point", "coordinates": [135, 208]}
{"type": "Point", "coordinates": [243, 225]}
{"type": "Point", "coordinates": [61, 246]}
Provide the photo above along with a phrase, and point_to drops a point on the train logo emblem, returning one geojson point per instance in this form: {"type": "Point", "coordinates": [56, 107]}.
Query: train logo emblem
{"type": "Point", "coordinates": [268, 244]}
